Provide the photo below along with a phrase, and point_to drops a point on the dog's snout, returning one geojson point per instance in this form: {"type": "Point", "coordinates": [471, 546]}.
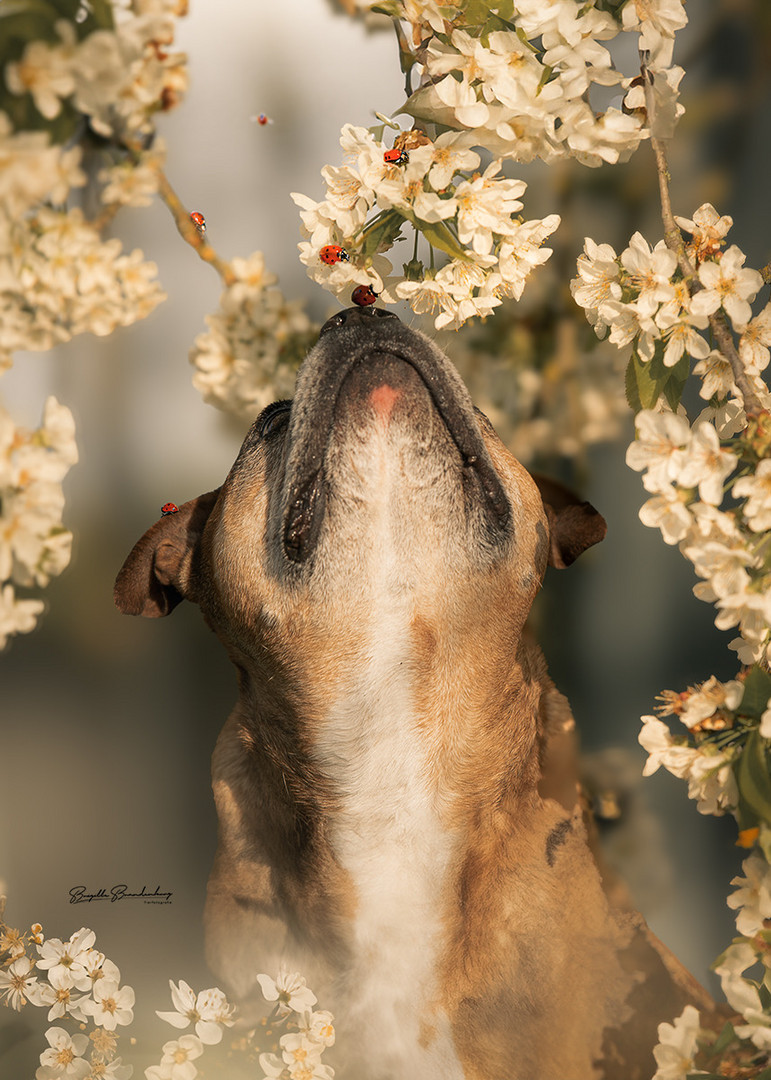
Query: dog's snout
{"type": "Point", "coordinates": [354, 316]}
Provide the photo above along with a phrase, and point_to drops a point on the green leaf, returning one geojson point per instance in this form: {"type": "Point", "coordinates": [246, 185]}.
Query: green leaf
{"type": "Point", "coordinates": [439, 236]}
{"type": "Point", "coordinates": [757, 691]}
{"type": "Point", "coordinates": [476, 11]}
{"type": "Point", "coordinates": [647, 380]}
{"type": "Point", "coordinates": [642, 387]}
{"type": "Point", "coordinates": [388, 7]}
{"type": "Point", "coordinates": [753, 778]}
{"type": "Point", "coordinates": [380, 234]}
{"type": "Point", "coordinates": [24, 21]}
{"type": "Point", "coordinates": [746, 818]}
{"type": "Point", "coordinates": [675, 384]}
{"type": "Point", "coordinates": [724, 1039]}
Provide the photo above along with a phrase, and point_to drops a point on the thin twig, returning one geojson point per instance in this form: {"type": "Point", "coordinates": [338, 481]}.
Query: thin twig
{"type": "Point", "coordinates": [674, 241]}
{"type": "Point", "coordinates": [189, 232]}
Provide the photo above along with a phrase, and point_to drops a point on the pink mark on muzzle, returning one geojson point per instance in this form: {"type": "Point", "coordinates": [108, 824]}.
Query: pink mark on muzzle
{"type": "Point", "coordinates": [383, 399]}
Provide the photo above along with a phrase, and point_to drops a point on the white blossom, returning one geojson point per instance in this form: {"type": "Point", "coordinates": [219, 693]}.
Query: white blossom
{"type": "Point", "coordinates": [708, 231]}
{"type": "Point", "coordinates": [658, 448]}
{"type": "Point", "coordinates": [207, 1010]}
{"type": "Point", "coordinates": [45, 71]}
{"type": "Point", "coordinates": [755, 341]}
{"type": "Point", "coordinates": [177, 1061]}
{"type": "Point", "coordinates": [64, 1058]}
{"type": "Point", "coordinates": [111, 1005]}
{"type": "Point", "coordinates": [677, 1046]}
{"type": "Point", "coordinates": [703, 703]}
{"type": "Point", "coordinates": [705, 464]}
{"type": "Point", "coordinates": [727, 284]}
{"type": "Point", "coordinates": [667, 512]}
{"type": "Point", "coordinates": [17, 982]}
{"type": "Point", "coordinates": [753, 897]}
{"type": "Point", "coordinates": [289, 991]}
{"type": "Point", "coordinates": [649, 272]}
{"type": "Point", "coordinates": [756, 489]}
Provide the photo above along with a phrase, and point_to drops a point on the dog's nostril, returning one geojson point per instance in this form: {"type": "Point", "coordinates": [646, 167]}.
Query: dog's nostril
{"type": "Point", "coordinates": [354, 315]}
{"type": "Point", "coordinates": [334, 322]}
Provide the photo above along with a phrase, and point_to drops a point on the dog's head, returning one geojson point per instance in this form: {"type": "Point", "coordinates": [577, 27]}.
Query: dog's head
{"type": "Point", "coordinates": [379, 485]}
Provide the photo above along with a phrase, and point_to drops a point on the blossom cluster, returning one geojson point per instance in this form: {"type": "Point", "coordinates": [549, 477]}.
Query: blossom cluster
{"type": "Point", "coordinates": [60, 279]}
{"type": "Point", "coordinates": [112, 66]}
{"type": "Point", "coordinates": [516, 84]}
{"type": "Point", "coordinates": [642, 298]}
{"type": "Point", "coordinates": [469, 216]}
{"type": "Point", "coordinates": [74, 982]}
{"type": "Point", "coordinates": [688, 301]}
{"type": "Point", "coordinates": [690, 470]}
{"type": "Point", "coordinates": [523, 80]}
{"type": "Point", "coordinates": [81, 989]}
{"type": "Point", "coordinates": [311, 1032]}
{"type": "Point", "coordinates": [254, 342]}
{"type": "Point", "coordinates": [686, 469]}
{"type": "Point", "coordinates": [118, 75]}
{"type": "Point", "coordinates": [686, 1048]}
{"type": "Point", "coordinates": [34, 545]}
{"type": "Point", "coordinates": [723, 755]}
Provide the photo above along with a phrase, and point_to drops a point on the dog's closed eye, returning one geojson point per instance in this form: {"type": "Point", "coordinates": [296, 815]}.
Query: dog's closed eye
{"type": "Point", "coordinates": [273, 417]}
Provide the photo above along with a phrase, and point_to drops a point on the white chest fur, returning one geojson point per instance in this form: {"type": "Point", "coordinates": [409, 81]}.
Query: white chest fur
{"type": "Point", "coordinates": [388, 833]}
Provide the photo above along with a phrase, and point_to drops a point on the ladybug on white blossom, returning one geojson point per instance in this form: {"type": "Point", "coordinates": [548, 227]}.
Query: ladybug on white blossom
{"type": "Point", "coordinates": [364, 295]}
{"type": "Point", "coordinates": [333, 253]}
{"type": "Point", "coordinates": [396, 157]}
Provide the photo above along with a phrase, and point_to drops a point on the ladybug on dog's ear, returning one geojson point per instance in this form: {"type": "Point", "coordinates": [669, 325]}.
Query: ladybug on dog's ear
{"type": "Point", "coordinates": [157, 575]}
{"type": "Point", "coordinates": [574, 525]}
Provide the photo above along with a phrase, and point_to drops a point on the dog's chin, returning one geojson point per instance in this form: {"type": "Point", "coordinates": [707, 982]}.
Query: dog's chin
{"type": "Point", "coordinates": [396, 425]}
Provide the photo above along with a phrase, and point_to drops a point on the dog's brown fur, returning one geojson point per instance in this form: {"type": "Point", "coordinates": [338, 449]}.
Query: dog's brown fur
{"type": "Point", "coordinates": [398, 816]}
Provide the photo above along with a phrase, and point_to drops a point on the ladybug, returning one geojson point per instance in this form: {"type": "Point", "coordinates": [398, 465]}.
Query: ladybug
{"type": "Point", "coordinates": [333, 253]}
{"type": "Point", "coordinates": [169, 508]}
{"type": "Point", "coordinates": [199, 221]}
{"type": "Point", "coordinates": [396, 157]}
{"type": "Point", "coordinates": [262, 119]}
{"type": "Point", "coordinates": [364, 295]}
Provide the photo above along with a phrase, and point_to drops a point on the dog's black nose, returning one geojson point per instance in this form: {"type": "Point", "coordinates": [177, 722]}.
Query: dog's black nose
{"type": "Point", "coordinates": [356, 315]}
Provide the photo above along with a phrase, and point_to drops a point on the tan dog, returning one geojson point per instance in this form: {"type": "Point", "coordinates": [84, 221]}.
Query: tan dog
{"type": "Point", "coordinates": [396, 820]}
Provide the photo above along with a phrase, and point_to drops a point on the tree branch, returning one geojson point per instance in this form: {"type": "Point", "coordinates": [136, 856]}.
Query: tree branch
{"type": "Point", "coordinates": [189, 232]}
{"type": "Point", "coordinates": [674, 241]}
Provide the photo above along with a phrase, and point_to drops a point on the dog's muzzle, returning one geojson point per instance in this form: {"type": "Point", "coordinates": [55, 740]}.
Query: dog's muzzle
{"type": "Point", "coordinates": [348, 338]}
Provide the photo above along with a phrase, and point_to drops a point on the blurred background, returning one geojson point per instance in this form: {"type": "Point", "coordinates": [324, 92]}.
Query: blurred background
{"type": "Point", "coordinates": [107, 723]}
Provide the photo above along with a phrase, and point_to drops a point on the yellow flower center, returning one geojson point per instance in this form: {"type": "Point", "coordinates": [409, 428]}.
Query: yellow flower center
{"type": "Point", "coordinates": [65, 1056]}
{"type": "Point", "coordinates": [180, 1056]}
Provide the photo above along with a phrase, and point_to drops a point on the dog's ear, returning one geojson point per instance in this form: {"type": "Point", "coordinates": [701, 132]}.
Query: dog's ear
{"type": "Point", "coordinates": [573, 525]}
{"type": "Point", "coordinates": [155, 576]}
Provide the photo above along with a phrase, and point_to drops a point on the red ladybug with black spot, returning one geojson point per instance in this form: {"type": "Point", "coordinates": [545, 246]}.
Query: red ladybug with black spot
{"type": "Point", "coordinates": [169, 508]}
{"type": "Point", "coordinates": [364, 295]}
{"type": "Point", "coordinates": [397, 156]}
{"type": "Point", "coordinates": [333, 253]}
{"type": "Point", "coordinates": [199, 221]}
